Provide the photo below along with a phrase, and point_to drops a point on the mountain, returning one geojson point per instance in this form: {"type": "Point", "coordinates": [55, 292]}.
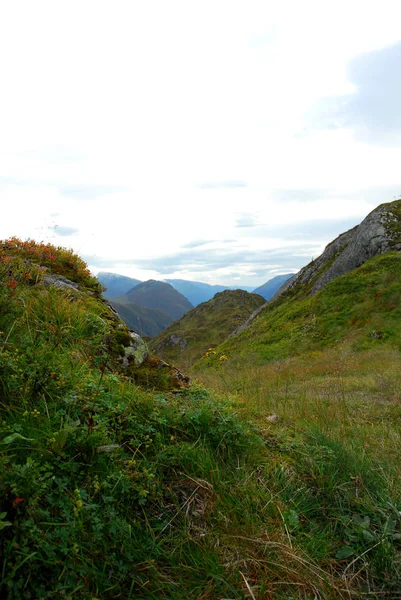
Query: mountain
{"type": "Point", "coordinates": [280, 478]}
{"type": "Point", "coordinates": [351, 291]}
{"type": "Point", "coordinates": [268, 289]}
{"type": "Point", "coordinates": [158, 295]}
{"type": "Point", "coordinates": [378, 233]}
{"type": "Point", "coordinates": [116, 285]}
{"type": "Point", "coordinates": [205, 326]}
{"type": "Point", "coordinates": [198, 292]}
{"type": "Point", "coordinates": [195, 291]}
{"type": "Point", "coordinates": [145, 321]}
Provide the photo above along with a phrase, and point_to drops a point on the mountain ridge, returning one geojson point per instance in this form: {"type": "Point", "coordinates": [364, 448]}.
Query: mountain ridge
{"type": "Point", "coordinates": [205, 326]}
{"type": "Point", "coordinates": [378, 233]}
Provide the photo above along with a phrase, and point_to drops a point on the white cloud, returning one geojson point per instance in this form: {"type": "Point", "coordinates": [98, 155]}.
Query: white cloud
{"type": "Point", "coordinates": [154, 107]}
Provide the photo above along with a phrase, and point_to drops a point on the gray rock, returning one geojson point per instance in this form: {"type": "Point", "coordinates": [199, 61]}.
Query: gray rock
{"type": "Point", "coordinates": [176, 340]}
{"type": "Point", "coordinates": [136, 351]}
{"type": "Point", "coordinates": [372, 237]}
{"type": "Point", "coordinates": [378, 233]}
{"type": "Point", "coordinates": [60, 282]}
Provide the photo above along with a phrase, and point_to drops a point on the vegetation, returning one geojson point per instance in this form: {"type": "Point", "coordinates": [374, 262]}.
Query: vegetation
{"type": "Point", "coordinates": [205, 326]}
{"type": "Point", "coordinates": [363, 306]}
{"type": "Point", "coordinates": [282, 484]}
{"type": "Point", "coordinates": [46, 255]}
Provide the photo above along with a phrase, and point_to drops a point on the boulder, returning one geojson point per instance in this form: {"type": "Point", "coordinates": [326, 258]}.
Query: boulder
{"type": "Point", "coordinates": [137, 351]}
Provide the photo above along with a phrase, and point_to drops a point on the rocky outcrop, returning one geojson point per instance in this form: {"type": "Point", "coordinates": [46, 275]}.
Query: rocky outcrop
{"type": "Point", "coordinates": [60, 282]}
{"type": "Point", "coordinates": [378, 233]}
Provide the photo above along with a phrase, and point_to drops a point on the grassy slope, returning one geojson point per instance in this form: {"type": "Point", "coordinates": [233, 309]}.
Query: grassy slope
{"type": "Point", "coordinates": [109, 490]}
{"type": "Point", "coordinates": [205, 326]}
{"type": "Point", "coordinates": [363, 306]}
{"type": "Point", "coordinates": [320, 376]}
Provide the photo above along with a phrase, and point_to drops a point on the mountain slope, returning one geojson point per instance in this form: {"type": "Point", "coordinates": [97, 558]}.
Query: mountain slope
{"type": "Point", "coordinates": [205, 326]}
{"type": "Point", "coordinates": [145, 321]}
{"type": "Point", "coordinates": [113, 485]}
{"type": "Point", "coordinates": [378, 233]}
{"type": "Point", "coordinates": [158, 295]}
{"type": "Point", "coordinates": [319, 306]}
{"type": "Point", "coordinates": [363, 306]}
{"type": "Point", "coordinates": [271, 287]}
{"type": "Point", "coordinates": [198, 292]}
{"type": "Point", "coordinates": [116, 284]}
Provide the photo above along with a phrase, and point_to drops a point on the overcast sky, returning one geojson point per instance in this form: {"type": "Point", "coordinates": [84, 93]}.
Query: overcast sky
{"type": "Point", "coordinates": [219, 141]}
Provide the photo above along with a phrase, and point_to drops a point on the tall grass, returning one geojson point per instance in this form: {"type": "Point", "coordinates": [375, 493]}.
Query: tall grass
{"type": "Point", "coordinates": [332, 421]}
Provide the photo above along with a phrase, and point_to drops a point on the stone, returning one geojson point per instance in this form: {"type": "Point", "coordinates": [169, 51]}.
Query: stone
{"type": "Point", "coordinates": [58, 281]}
{"type": "Point", "coordinates": [136, 351]}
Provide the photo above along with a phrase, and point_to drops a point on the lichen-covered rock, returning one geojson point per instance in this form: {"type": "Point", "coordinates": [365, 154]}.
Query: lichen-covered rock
{"type": "Point", "coordinates": [137, 351]}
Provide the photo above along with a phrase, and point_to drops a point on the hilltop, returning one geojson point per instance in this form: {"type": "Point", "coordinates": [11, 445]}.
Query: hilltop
{"type": "Point", "coordinates": [158, 295]}
{"type": "Point", "coordinates": [205, 326]}
{"type": "Point", "coordinates": [198, 292]}
{"type": "Point", "coordinates": [116, 285]}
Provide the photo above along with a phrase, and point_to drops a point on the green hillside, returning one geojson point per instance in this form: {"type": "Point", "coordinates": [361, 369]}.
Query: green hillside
{"type": "Point", "coordinates": [198, 292]}
{"type": "Point", "coordinates": [205, 326]}
{"type": "Point", "coordinates": [362, 307]}
{"type": "Point", "coordinates": [120, 480]}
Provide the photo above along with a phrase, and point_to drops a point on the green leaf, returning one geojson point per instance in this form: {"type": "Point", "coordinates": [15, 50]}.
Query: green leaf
{"type": "Point", "coordinates": [16, 436]}
{"type": "Point", "coordinates": [344, 552]}
{"type": "Point", "coordinates": [4, 523]}
{"type": "Point", "coordinates": [291, 517]}
{"type": "Point", "coordinates": [368, 535]}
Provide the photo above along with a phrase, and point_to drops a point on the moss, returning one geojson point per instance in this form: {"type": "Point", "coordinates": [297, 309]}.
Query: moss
{"type": "Point", "coordinates": [393, 222]}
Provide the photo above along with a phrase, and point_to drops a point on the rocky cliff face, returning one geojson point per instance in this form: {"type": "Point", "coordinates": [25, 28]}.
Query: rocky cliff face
{"type": "Point", "coordinates": [378, 233]}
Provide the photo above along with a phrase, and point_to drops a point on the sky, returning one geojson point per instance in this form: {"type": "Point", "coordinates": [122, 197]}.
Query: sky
{"type": "Point", "coordinates": [216, 141]}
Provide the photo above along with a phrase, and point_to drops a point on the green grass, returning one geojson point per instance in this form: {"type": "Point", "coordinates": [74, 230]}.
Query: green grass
{"type": "Point", "coordinates": [111, 489]}
{"type": "Point", "coordinates": [205, 326]}
{"type": "Point", "coordinates": [335, 440]}
{"type": "Point", "coordinates": [363, 306]}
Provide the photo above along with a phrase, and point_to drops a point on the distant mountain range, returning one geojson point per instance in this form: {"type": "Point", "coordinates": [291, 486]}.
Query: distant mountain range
{"type": "Point", "coordinates": [268, 289]}
{"type": "Point", "coordinates": [150, 306]}
{"type": "Point", "coordinates": [115, 284]}
{"type": "Point", "coordinates": [158, 295]}
{"type": "Point", "coordinates": [198, 292]}
{"type": "Point", "coordinates": [195, 291]}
